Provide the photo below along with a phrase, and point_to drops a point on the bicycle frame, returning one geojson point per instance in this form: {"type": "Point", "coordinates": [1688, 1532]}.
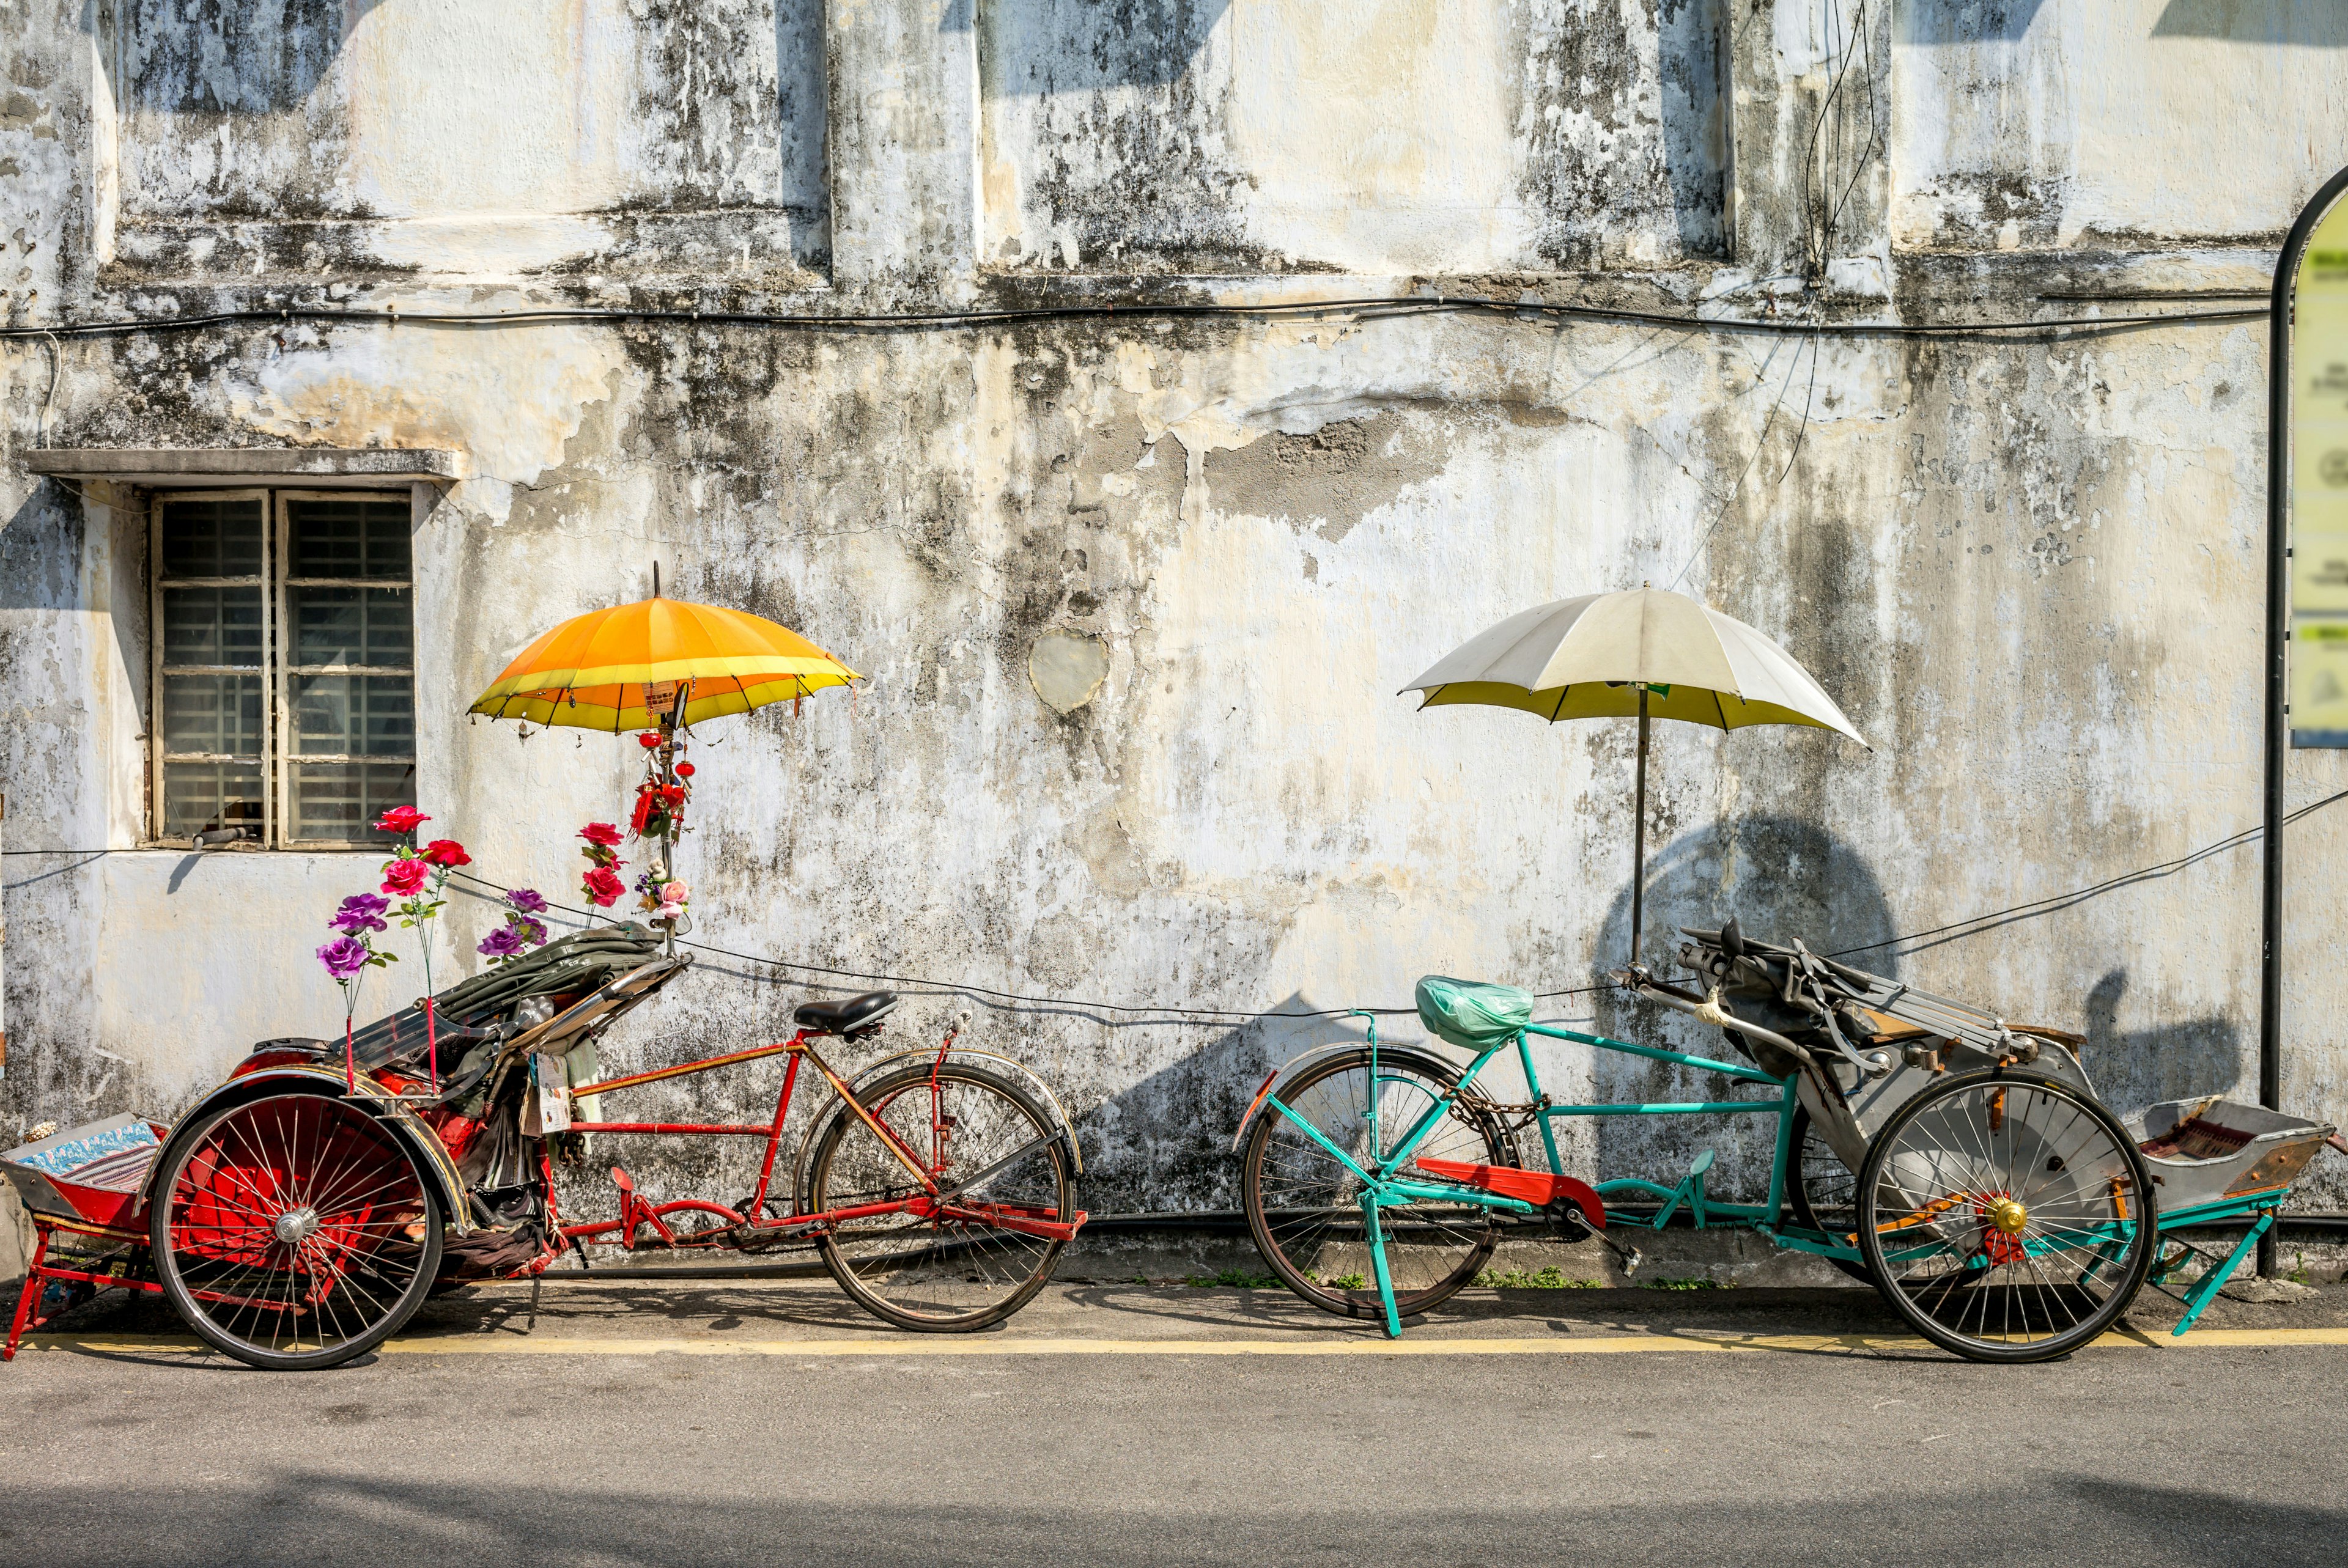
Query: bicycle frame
{"type": "Point", "coordinates": [935, 1201]}
{"type": "Point", "coordinates": [1385, 1187]}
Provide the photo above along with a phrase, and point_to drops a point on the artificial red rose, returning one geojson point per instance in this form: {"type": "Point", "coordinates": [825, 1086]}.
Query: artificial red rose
{"type": "Point", "coordinates": [649, 739]}
{"type": "Point", "coordinates": [400, 819]}
{"type": "Point", "coordinates": [602, 833]}
{"type": "Point", "coordinates": [603, 886]}
{"type": "Point", "coordinates": [403, 879]}
{"type": "Point", "coordinates": [446, 852]}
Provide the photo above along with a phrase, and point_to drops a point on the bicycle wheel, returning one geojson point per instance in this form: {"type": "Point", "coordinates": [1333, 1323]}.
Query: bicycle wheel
{"type": "Point", "coordinates": [947, 1274]}
{"type": "Point", "coordinates": [1303, 1205]}
{"type": "Point", "coordinates": [2006, 1215]}
{"type": "Point", "coordinates": [294, 1231]}
{"type": "Point", "coordinates": [1820, 1192]}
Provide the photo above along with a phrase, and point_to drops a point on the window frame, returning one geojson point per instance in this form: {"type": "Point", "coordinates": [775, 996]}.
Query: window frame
{"type": "Point", "coordinates": [283, 669]}
{"type": "Point", "coordinates": [158, 752]}
{"type": "Point", "coordinates": [278, 671]}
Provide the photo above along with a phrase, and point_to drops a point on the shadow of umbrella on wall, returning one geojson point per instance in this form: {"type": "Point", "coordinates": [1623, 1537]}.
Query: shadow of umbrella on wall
{"type": "Point", "coordinates": [1645, 653]}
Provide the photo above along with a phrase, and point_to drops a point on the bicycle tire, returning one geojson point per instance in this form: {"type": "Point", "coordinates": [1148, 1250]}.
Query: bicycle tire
{"type": "Point", "coordinates": [940, 1277]}
{"type": "Point", "coordinates": [265, 1209]}
{"type": "Point", "coordinates": [1832, 1183]}
{"type": "Point", "coordinates": [2069, 1168]}
{"type": "Point", "coordinates": [1300, 1241]}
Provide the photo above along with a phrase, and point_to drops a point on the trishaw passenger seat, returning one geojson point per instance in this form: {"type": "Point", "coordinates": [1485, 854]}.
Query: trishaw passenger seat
{"type": "Point", "coordinates": [845, 1018]}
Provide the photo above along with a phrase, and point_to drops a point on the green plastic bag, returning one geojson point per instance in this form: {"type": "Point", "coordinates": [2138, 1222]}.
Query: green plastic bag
{"type": "Point", "coordinates": [1477, 1016]}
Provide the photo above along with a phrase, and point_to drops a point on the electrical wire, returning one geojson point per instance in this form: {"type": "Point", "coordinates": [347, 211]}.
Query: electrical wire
{"type": "Point", "coordinates": [1422, 304]}
{"type": "Point", "coordinates": [2055, 903]}
{"type": "Point", "coordinates": [1222, 1017]}
{"type": "Point", "coordinates": [1210, 1016]}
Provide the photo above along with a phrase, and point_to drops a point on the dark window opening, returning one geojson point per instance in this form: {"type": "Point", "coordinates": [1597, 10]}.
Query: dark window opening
{"type": "Point", "coordinates": [285, 666]}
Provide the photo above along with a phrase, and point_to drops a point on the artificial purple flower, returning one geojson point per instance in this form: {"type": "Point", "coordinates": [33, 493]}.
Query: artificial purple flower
{"type": "Point", "coordinates": [360, 912]}
{"type": "Point", "coordinates": [529, 900]}
{"type": "Point", "coordinates": [344, 956]}
{"type": "Point", "coordinates": [505, 942]}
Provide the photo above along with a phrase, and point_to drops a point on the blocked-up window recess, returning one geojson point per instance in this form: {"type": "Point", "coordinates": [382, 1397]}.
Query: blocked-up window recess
{"type": "Point", "coordinates": [277, 136]}
{"type": "Point", "coordinates": [284, 665]}
{"type": "Point", "coordinates": [1453, 136]}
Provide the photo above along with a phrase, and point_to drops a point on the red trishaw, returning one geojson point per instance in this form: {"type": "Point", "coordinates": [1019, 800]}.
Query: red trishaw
{"type": "Point", "coordinates": [296, 1220]}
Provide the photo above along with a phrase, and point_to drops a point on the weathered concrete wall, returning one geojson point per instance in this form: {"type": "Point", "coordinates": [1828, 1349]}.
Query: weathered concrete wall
{"type": "Point", "coordinates": [2031, 570]}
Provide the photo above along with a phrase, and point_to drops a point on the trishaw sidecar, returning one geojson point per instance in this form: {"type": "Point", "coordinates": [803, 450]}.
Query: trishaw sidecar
{"type": "Point", "coordinates": [1962, 1165]}
{"type": "Point", "coordinates": [303, 1210]}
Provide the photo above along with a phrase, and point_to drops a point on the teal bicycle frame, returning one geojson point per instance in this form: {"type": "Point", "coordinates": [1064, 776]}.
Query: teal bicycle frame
{"type": "Point", "coordinates": [1384, 1186]}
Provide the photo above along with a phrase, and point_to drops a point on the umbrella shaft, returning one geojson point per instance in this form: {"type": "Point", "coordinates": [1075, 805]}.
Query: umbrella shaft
{"type": "Point", "coordinates": [1639, 835]}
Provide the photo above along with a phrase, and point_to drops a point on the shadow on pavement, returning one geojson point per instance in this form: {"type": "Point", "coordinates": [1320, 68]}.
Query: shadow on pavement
{"type": "Point", "coordinates": [295, 1518]}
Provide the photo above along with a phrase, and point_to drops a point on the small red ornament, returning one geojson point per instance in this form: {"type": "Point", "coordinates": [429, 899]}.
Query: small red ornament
{"type": "Point", "coordinates": [649, 739]}
{"type": "Point", "coordinates": [685, 770]}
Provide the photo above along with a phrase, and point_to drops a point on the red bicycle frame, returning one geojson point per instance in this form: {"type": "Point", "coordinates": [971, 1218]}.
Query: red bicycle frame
{"type": "Point", "coordinates": [937, 1201]}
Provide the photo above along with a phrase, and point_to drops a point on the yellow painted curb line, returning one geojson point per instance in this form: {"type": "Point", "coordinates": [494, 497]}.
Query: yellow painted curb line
{"type": "Point", "coordinates": [1796, 1344]}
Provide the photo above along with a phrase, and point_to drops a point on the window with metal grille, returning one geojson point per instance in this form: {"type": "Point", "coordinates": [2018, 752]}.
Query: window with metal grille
{"type": "Point", "coordinates": [284, 665]}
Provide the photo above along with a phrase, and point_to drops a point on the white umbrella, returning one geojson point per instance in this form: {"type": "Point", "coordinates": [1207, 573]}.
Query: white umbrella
{"type": "Point", "coordinates": [1644, 652]}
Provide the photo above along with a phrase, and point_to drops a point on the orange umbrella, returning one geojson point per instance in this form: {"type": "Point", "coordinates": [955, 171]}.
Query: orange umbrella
{"type": "Point", "coordinates": [625, 668]}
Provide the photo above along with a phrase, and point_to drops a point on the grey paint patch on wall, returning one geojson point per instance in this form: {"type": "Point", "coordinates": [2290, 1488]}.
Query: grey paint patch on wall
{"type": "Point", "coordinates": [1067, 669]}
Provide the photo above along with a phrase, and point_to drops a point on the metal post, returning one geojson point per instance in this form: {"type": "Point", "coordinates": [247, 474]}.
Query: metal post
{"type": "Point", "coordinates": [1639, 835]}
{"type": "Point", "coordinates": [2278, 691]}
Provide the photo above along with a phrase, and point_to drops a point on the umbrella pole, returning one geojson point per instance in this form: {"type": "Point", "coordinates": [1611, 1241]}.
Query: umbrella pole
{"type": "Point", "coordinates": [667, 755]}
{"type": "Point", "coordinates": [1639, 835]}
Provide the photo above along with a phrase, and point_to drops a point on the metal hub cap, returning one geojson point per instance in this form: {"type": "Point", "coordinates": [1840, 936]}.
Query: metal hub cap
{"type": "Point", "coordinates": [2007, 1215]}
{"type": "Point", "coordinates": [294, 1226]}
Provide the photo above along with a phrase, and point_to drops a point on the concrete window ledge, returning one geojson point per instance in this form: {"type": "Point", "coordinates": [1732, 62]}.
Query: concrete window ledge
{"type": "Point", "coordinates": [185, 467]}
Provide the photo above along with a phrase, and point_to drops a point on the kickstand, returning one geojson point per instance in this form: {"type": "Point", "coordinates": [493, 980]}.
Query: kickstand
{"type": "Point", "coordinates": [536, 1280]}
{"type": "Point", "coordinates": [1572, 1226]}
{"type": "Point", "coordinates": [1630, 1257]}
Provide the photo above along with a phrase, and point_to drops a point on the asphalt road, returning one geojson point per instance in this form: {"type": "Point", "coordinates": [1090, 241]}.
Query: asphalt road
{"type": "Point", "coordinates": [710, 1422]}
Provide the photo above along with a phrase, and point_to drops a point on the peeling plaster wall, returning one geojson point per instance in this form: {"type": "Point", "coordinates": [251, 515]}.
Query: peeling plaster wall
{"type": "Point", "coordinates": [603, 138]}
{"type": "Point", "coordinates": [2029, 125]}
{"type": "Point", "coordinates": [1197, 135]}
{"type": "Point", "coordinates": [2030, 570]}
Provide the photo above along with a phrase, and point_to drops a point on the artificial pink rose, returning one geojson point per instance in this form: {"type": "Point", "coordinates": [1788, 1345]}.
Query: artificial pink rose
{"type": "Point", "coordinates": [675, 893]}
{"type": "Point", "coordinates": [603, 886]}
{"type": "Point", "coordinates": [403, 879]}
{"type": "Point", "coordinates": [601, 833]}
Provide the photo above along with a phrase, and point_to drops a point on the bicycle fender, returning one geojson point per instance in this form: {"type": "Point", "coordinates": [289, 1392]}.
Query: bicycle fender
{"type": "Point", "coordinates": [378, 1102]}
{"type": "Point", "coordinates": [1303, 1059]}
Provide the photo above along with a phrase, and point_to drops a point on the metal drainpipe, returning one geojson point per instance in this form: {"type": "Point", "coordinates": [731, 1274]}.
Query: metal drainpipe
{"type": "Point", "coordinates": [2277, 709]}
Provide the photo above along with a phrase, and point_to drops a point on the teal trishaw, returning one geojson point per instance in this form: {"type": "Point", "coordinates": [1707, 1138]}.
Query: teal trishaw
{"type": "Point", "coordinates": [1961, 1164]}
